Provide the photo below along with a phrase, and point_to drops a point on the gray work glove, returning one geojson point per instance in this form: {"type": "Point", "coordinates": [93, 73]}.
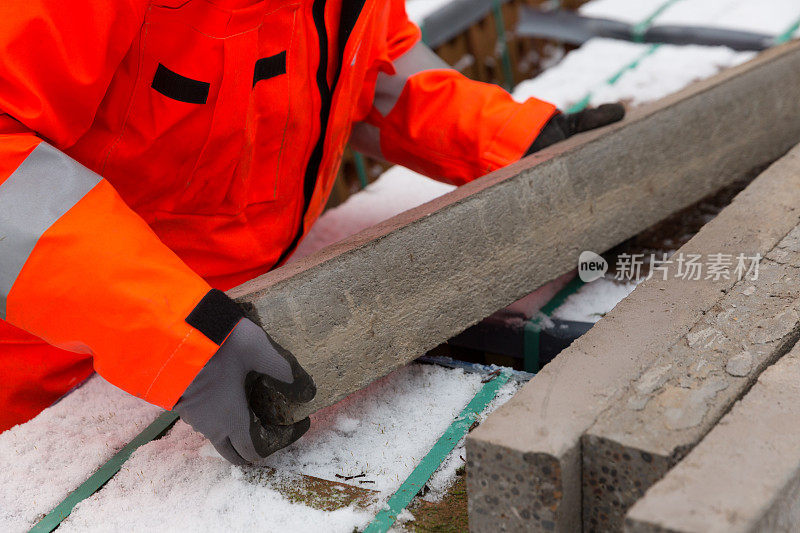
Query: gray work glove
{"type": "Point", "coordinates": [563, 126]}
{"type": "Point", "coordinates": [240, 400]}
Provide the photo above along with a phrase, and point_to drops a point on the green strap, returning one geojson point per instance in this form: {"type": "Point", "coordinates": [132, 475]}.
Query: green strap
{"type": "Point", "coordinates": [508, 73]}
{"type": "Point", "coordinates": [641, 28]}
{"type": "Point", "coordinates": [361, 169]}
{"type": "Point", "coordinates": [786, 36]}
{"type": "Point", "coordinates": [431, 462]}
{"type": "Point", "coordinates": [584, 102]}
{"type": "Point", "coordinates": [104, 473]}
{"type": "Point", "coordinates": [533, 326]}
{"type": "Point", "coordinates": [638, 34]}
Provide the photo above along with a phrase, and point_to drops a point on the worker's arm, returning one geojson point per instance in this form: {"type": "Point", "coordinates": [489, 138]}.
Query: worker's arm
{"type": "Point", "coordinates": [78, 267]}
{"type": "Point", "coordinates": [430, 118]}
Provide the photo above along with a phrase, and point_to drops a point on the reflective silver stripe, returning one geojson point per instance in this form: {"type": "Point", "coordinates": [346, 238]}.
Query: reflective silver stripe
{"type": "Point", "coordinates": [388, 89]}
{"type": "Point", "coordinates": [44, 187]}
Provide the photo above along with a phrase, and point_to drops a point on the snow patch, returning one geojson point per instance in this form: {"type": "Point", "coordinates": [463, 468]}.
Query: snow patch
{"type": "Point", "coordinates": [593, 300]}
{"type": "Point", "coordinates": [48, 457]}
{"type": "Point", "coordinates": [180, 483]}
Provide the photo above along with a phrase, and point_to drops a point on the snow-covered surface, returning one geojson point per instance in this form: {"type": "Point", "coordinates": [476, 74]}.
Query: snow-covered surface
{"type": "Point", "coordinates": [170, 485]}
{"type": "Point", "coordinates": [764, 16]}
{"type": "Point", "coordinates": [593, 300]}
{"type": "Point", "coordinates": [668, 70]}
{"type": "Point", "coordinates": [581, 71]}
{"type": "Point", "coordinates": [179, 483]}
{"type": "Point", "coordinates": [48, 457]}
{"type": "Point", "coordinates": [379, 431]}
{"type": "Point", "coordinates": [587, 70]}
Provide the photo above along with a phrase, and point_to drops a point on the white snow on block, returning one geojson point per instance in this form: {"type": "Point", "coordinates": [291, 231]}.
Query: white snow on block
{"type": "Point", "coordinates": [668, 70]}
{"type": "Point", "coordinates": [170, 485]}
{"type": "Point", "coordinates": [594, 300]}
{"type": "Point", "coordinates": [765, 16]}
{"type": "Point", "coordinates": [48, 457]}
{"type": "Point", "coordinates": [179, 483]}
{"type": "Point", "coordinates": [581, 71]}
{"type": "Point", "coordinates": [588, 69]}
{"type": "Point", "coordinates": [383, 430]}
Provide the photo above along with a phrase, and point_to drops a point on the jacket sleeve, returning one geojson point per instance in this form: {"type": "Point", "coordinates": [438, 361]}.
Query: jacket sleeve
{"type": "Point", "coordinates": [78, 267]}
{"type": "Point", "coordinates": [428, 117]}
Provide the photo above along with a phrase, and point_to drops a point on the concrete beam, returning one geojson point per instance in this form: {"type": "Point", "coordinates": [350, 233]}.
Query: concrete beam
{"type": "Point", "coordinates": [745, 474]}
{"type": "Point", "coordinates": [361, 308]}
{"type": "Point", "coordinates": [524, 461]}
{"type": "Point", "coordinates": [664, 413]}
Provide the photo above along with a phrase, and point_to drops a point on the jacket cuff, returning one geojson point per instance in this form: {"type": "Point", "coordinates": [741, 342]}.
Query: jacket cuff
{"type": "Point", "coordinates": [516, 136]}
{"type": "Point", "coordinates": [207, 327]}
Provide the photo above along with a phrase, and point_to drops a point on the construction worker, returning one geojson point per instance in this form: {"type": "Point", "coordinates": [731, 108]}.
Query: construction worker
{"type": "Point", "coordinates": [154, 153]}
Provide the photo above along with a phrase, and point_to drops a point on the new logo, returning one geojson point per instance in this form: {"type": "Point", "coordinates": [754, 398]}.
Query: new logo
{"type": "Point", "coordinates": [591, 267]}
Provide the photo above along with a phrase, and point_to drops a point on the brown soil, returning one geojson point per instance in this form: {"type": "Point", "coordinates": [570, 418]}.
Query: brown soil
{"type": "Point", "coordinates": [446, 516]}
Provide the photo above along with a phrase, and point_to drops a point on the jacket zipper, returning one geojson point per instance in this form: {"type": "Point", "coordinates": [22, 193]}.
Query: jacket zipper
{"type": "Point", "coordinates": [351, 9]}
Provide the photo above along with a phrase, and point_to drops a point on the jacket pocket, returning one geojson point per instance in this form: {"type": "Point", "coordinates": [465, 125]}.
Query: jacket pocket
{"type": "Point", "coordinates": [273, 123]}
{"type": "Point", "coordinates": [184, 130]}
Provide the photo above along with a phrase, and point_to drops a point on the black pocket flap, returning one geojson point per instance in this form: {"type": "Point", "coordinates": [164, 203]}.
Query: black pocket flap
{"type": "Point", "coordinates": [181, 88]}
{"type": "Point", "coordinates": [269, 67]}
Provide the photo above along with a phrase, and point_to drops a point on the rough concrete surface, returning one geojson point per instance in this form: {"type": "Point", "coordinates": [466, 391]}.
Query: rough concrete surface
{"type": "Point", "coordinates": [744, 475]}
{"type": "Point", "coordinates": [666, 411]}
{"type": "Point", "coordinates": [359, 309]}
{"type": "Point", "coordinates": [542, 425]}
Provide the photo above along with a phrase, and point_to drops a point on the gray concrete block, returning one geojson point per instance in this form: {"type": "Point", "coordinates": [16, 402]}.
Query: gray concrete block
{"type": "Point", "coordinates": [667, 410]}
{"type": "Point", "coordinates": [543, 424]}
{"type": "Point", "coordinates": [369, 304]}
{"type": "Point", "coordinates": [744, 476]}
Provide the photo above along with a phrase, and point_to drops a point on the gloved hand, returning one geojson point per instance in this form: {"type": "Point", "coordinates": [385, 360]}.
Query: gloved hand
{"type": "Point", "coordinates": [563, 126]}
{"type": "Point", "coordinates": [240, 400]}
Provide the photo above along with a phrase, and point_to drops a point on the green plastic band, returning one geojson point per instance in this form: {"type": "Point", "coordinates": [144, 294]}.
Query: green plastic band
{"type": "Point", "coordinates": [499, 21]}
{"type": "Point", "coordinates": [104, 473]}
{"type": "Point", "coordinates": [361, 169]}
{"type": "Point", "coordinates": [584, 102]}
{"type": "Point", "coordinates": [787, 35]}
{"type": "Point", "coordinates": [431, 462]}
{"type": "Point", "coordinates": [641, 28]}
{"type": "Point", "coordinates": [533, 326]}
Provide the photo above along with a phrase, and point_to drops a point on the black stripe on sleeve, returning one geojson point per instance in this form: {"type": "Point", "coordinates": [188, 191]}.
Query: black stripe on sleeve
{"type": "Point", "coordinates": [215, 316]}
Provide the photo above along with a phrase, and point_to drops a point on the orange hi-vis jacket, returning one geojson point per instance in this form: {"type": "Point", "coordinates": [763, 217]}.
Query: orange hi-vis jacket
{"type": "Point", "coordinates": [153, 149]}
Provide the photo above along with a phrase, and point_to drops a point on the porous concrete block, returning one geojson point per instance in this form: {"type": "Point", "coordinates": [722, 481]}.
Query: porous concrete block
{"type": "Point", "coordinates": [371, 303]}
{"type": "Point", "coordinates": [744, 476]}
{"type": "Point", "coordinates": [542, 425]}
{"type": "Point", "coordinates": [664, 413]}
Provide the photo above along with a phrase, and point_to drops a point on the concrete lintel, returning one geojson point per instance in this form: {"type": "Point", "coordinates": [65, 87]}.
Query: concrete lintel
{"type": "Point", "coordinates": [539, 430]}
{"type": "Point", "coordinates": [369, 304]}
{"type": "Point", "coordinates": [744, 476]}
{"type": "Point", "coordinates": [664, 413]}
